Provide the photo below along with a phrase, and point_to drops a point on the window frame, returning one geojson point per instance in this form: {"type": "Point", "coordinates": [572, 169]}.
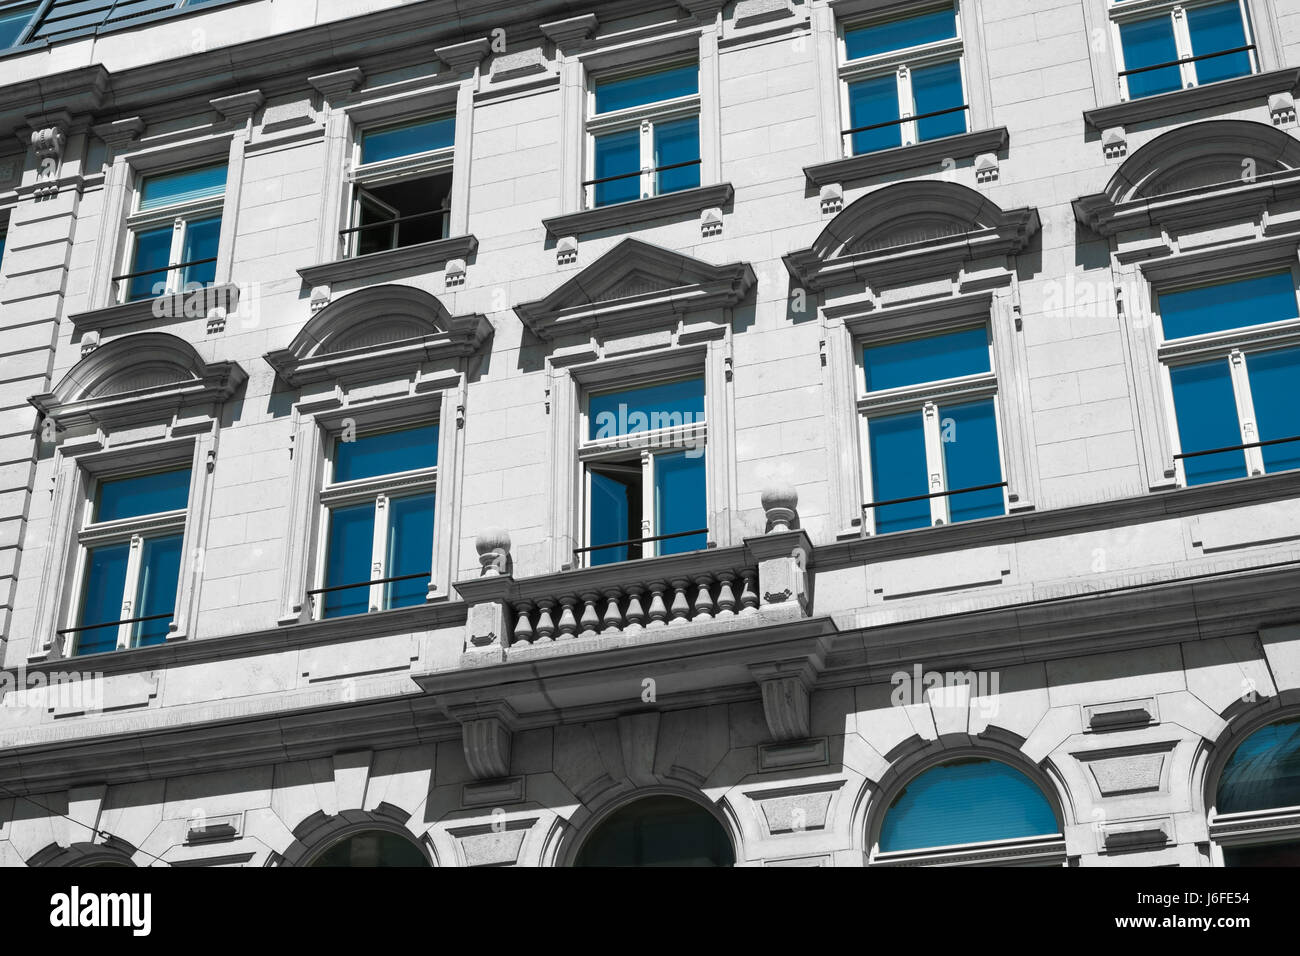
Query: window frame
{"type": "Point", "coordinates": [1247, 828]}
{"type": "Point", "coordinates": [38, 8]}
{"type": "Point", "coordinates": [180, 216]}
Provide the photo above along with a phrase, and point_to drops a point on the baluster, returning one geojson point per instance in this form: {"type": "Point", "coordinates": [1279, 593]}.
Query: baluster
{"type": "Point", "coordinates": [726, 596]}
{"type": "Point", "coordinates": [523, 626]}
{"type": "Point", "coordinates": [613, 615]}
{"type": "Point", "coordinates": [635, 613]}
{"type": "Point", "coordinates": [681, 606]}
{"type": "Point", "coordinates": [568, 623]}
{"type": "Point", "coordinates": [590, 617]}
{"type": "Point", "coordinates": [703, 599]}
{"type": "Point", "coordinates": [748, 593]}
{"type": "Point", "coordinates": [658, 612]}
{"type": "Point", "coordinates": [545, 623]}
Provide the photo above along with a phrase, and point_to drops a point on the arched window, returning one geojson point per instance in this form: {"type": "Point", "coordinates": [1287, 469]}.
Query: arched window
{"type": "Point", "coordinates": [1260, 778]}
{"type": "Point", "coordinates": [372, 848]}
{"type": "Point", "coordinates": [963, 802]}
{"type": "Point", "coordinates": [658, 831]}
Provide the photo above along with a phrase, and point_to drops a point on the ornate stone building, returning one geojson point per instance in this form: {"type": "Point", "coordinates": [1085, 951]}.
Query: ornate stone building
{"type": "Point", "coordinates": [769, 432]}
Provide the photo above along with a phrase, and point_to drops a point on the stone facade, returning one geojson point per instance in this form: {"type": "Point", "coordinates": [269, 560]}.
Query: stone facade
{"type": "Point", "coordinates": [1125, 631]}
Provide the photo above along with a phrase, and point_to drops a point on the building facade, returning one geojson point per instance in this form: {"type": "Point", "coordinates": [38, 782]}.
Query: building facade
{"type": "Point", "coordinates": [768, 432]}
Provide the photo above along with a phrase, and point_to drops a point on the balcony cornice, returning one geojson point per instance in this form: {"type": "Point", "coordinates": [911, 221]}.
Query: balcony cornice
{"type": "Point", "coordinates": [931, 152]}
{"type": "Point", "coordinates": [1258, 86]}
{"type": "Point", "coordinates": [418, 258]}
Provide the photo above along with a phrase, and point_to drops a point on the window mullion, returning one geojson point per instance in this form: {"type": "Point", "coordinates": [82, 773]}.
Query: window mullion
{"type": "Point", "coordinates": [936, 480]}
{"type": "Point", "coordinates": [174, 256]}
{"type": "Point", "coordinates": [905, 106]}
{"type": "Point", "coordinates": [130, 591]}
{"type": "Point", "coordinates": [648, 524]}
{"type": "Point", "coordinates": [1246, 412]}
{"type": "Point", "coordinates": [379, 553]}
{"type": "Point", "coordinates": [647, 158]}
{"type": "Point", "coordinates": [1183, 43]}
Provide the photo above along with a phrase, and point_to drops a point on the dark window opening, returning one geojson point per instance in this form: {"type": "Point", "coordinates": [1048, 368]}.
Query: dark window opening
{"type": "Point", "coordinates": [402, 214]}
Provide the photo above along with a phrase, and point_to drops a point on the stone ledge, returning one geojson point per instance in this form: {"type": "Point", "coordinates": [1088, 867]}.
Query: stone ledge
{"type": "Point", "coordinates": [194, 304]}
{"type": "Point", "coordinates": [638, 211]}
{"type": "Point", "coordinates": [423, 255]}
{"type": "Point", "coordinates": [931, 151]}
{"type": "Point", "coordinates": [1255, 86]}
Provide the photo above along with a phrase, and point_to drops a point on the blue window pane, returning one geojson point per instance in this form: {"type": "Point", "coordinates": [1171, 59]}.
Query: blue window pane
{"type": "Point", "coordinates": [618, 154]}
{"type": "Point", "coordinates": [185, 185]}
{"type": "Point", "coordinates": [939, 88]}
{"type": "Point", "coordinates": [1273, 377]}
{"type": "Point", "coordinates": [970, 459]}
{"type": "Point", "coordinates": [101, 598]}
{"type": "Point", "coordinates": [143, 495]}
{"type": "Point", "coordinates": [972, 801]}
{"type": "Point", "coordinates": [680, 500]}
{"type": "Point", "coordinates": [615, 512]}
{"type": "Point", "coordinates": [408, 139]}
{"type": "Point", "coordinates": [678, 142]}
{"type": "Point", "coordinates": [410, 548]}
{"type": "Point", "coordinates": [12, 25]}
{"type": "Point", "coordinates": [666, 405]}
{"type": "Point", "coordinates": [1264, 772]}
{"type": "Point", "coordinates": [160, 571]}
{"type": "Point", "coordinates": [386, 453]}
{"type": "Point", "coordinates": [900, 34]}
{"type": "Point", "coordinates": [201, 240]}
{"type": "Point", "coordinates": [930, 359]}
{"type": "Point", "coordinates": [1207, 418]}
{"type": "Point", "coordinates": [870, 102]}
{"type": "Point", "coordinates": [351, 541]}
{"type": "Point", "coordinates": [1216, 28]}
{"type": "Point", "coordinates": [152, 256]}
{"type": "Point", "coordinates": [896, 446]}
{"type": "Point", "coordinates": [647, 88]}
{"type": "Point", "coordinates": [1146, 43]}
{"type": "Point", "coordinates": [1228, 305]}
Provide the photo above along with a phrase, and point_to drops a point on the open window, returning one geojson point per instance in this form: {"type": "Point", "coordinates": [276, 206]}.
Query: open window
{"type": "Point", "coordinates": [1177, 45]}
{"type": "Point", "coordinates": [16, 22]}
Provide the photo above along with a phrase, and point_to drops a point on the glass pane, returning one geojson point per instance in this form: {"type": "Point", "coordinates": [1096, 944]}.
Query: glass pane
{"type": "Point", "coordinates": [896, 445]}
{"type": "Point", "coordinates": [166, 189]}
{"type": "Point", "coordinates": [1264, 772]}
{"type": "Point", "coordinates": [680, 501]}
{"type": "Point", "coordinates": [386, 453]}
{"type": "Point", "coordinates": [967, 802]}
{"type": "Point", "coordinates": [160, 572]}
{"type": "Point", "coordinates": [1273, 854]}
{"type": "Point", "coordinates": [408, 139]}
{"type": "Point", "coordinates": [1228, 305]}
{"type": "Point", "coordinates": [1207, 418]}
{"type": "Point", "coordinates": [937, 88]}
{"type": "Point", "coordinates": [153, 248]}
{"type": "Point", "coordinates": [351, 542]}
{"type": "Point", "coordinates": [143, 495]}
{"type": "Point", "coordinates": [678, 142]}
{"type": "Point", "coordinates": [201, 240]}
{"type": "Point", "coordinates": [970, 458]}
{"type": "Point", "coordinates": [931, 359]}
{"type": "Point", "coordinates": [658, 831]}
{"type": "Point", "coordinates": [372, 849]}
{"type": "Point", "coordinates": [1146, 43]}
{"type": "Point", "coordinates": [900, 34]}
{"type": "Point", "coordinates": [1215, 28]}
{"type": "Point", "coordinates": [618, 154]}
{"type": "Point", "coordinates": [1273, 377]}
{"type": "Point", "coordinates": [12, 25]}
{"type": "Point", "coordinates": [101, 598]}
{"type": "Point", "coordinates": [410, 548]}
{"type": "Point", "coordinates": [647, 88]}
{"type": "Point", "coordinates": [615, 512]}
{"type": "Point", "coordinates": [666, 405]}
{"type": "Point", "coordinates": [870, 102]}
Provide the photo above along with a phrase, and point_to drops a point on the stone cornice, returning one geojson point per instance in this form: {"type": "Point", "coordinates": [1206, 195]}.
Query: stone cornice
{"type": "Point", "coordinates": [1257, 86]}
{"type": "Point", "coordinates": [639, 211]}
{"type": "Point", "coordinates": [928, 153]}
{"type": "Point", "coordinates": [422, 256]}
{"type": "Point", "coordinates": [168, 308]}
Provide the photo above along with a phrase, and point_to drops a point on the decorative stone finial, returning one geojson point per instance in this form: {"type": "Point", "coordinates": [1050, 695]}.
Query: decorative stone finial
{"type": "Point", "coordinates": [493, 547]}
{"type": "Point", "coordinates": [780, 499]}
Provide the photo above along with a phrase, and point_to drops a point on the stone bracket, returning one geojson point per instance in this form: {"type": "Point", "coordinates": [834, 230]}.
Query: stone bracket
{"type": "Point", "coordinates": [486, 732]}
{"type": "Point", "coordinates": [786, 688]}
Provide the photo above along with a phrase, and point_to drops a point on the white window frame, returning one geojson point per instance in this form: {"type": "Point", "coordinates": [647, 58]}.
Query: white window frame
{"type": "Point", "coordinates": [379, 491]}
{"type": "Point", "coordinates": [621, 448]}
{"type": "Point", "coordinates": [926, 398]}
{"type": "Point", "coordinates": [1234, 346]}
{"type": "Point", "coordinates": [24, 35]}
{"type": "Point", "coordinates": [1128, 11]}
{"type": "Point", "coordinates": [179, 215]}
{"type": "Point", "coordinates": [642, 118]}
{"type": "Point", "coordinates": [901, 63]}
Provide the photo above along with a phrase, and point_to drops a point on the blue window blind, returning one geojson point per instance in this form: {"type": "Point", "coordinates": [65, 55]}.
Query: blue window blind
{"type": "Point", "coordinates": [1228, 305]}
{"type": "Point", "coordinates": [618, 154]}
{"type": "Point", "coordinates": [408, 139]}
{"type": "Point", "coordinates": [160, 571]}
{"type": "Point", "coordinates": [410, 548]}
{"type": "Point", "coordinates": [970, 458]}
{"type": "Point", "coordinates": [101, 598]}
{"type": "Point", "coordinates": [1273, 378]}
{"type": "Point", "coordinates": [13, 23]}
{"type": "Point", "coordinates": [937, 88]}
{"type": "Point", "coordinates": [1146, 43]}
{"type": "Point", "coordinates": [201, 240]}
{"type": "Point", "coordinates": [896, 448]}
{"type": "Point", "coordinates": [625, 93]}
{"type": "Point", "coordinates": [168, 189]}
{"type": "Point", "coordinates": [351, 539]}
{"type": "Point", "coordinates": [894, 35]}
{"type": "Point", "coordinates": [680, 500]}
{"type": "Point", "coordinates": [1206, 409]}
{"type": "Point", "coordinates": [969, 801]}
{"type": "Point", "coordinates": [143, 495]}
{"type": "Point", "coordinates": [677, 142]}
{"type": "Point", "coordinates": [1263, 772]}
{"type": "Point", "coordinates": [386, 453]}
{"type": "Point", "coordinates": [1215, 28]}
{"type": "Point", "coordinates": [930, 359]}
{"type": "Point", "coordinates": [871, 102]}
{"type": "Point", "coordinates": [615, 512]}
{"type": "Point", "coordinates": [152, 257]}
{"type": "Point", "coordinates": [664, 405]}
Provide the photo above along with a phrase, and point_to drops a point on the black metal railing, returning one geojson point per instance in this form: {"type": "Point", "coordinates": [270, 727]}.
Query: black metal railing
{"type": "Point", "coordinates": [1190, 59]}
{"type": "Point", "coordinates": [1242, 447]}
{"type": "Point", "coordinates": [904, 119]}
{"type": "Point", "coordinates": [657, 169]}
{"type": "Point", "coordinates": [179, 265]}
{"type": "Point", "coordinates": [364, 584]}
{"type": "Point", "coordinates": [130, 620]}
{"type": "Point", "coordinates": [393, 222]}
{"type": "Point", "coordinates": [632, 541]}
{"type": "Point", "coordinates": [935, 494]}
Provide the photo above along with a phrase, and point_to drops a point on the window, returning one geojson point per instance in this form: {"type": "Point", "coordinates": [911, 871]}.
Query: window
{"type": "Point", "coordinates": [378, 501]}
{"type": "Point", "coordinates": [1261, 776]}
{"type": "Point", "coordinates": [902, 81]}
{"type": "Point", "coordinates": [658, 831]}
{"type": "Point", "coordinates": [401, 185]}
{"type": "Point", "coordinates": [644, 135]}
{"type": "Point", "coordinates": [1171, 46]}
{"type": "Point", "coordinates": [131, 540]}
{"type": "Point", "coordinates": [643, 459]}
{"type": "Point", "coordinates": [174, 232]}
{"type": "Point", "coordinates": [372, 848]}
{"type": "Point", "coordinates": [1233, 402]}
{"type": "Point", "coordinates": [931, 461]}
{"type": "Point", "coordinates": [15, 18]}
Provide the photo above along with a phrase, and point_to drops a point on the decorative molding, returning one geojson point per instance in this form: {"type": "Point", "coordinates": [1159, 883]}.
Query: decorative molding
{"type": "Point", "coordinates": [1281, 109]}
{"type": "Point", "coordinates": [573, 30]}
{"type": "Point", "coordinates": [1257, 86]}
{"type": "Point", "coordinates": [464, 57]}
{"type": "Point", "coordinates": [424, 256]}
{"type": "Point", "coordinates": [192, 304]}
{"type": "Point", "coordinates": [639, 211]}
{"type": "Point", "coordinates": [1123, 715]}
{"type": "Point", "coordinates": [931, 152]}
{"type": "Point", "coordinates": [331, 85]}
